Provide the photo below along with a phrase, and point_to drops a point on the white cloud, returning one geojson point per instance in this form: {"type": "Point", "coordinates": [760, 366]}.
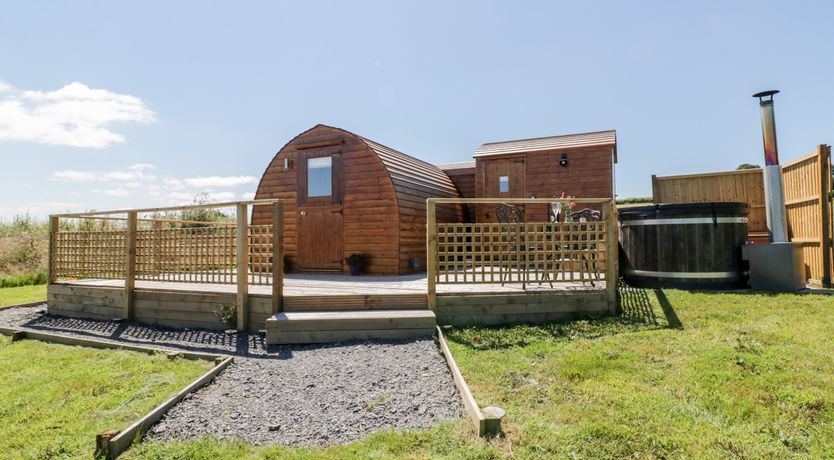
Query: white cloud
{"type": "Point", "coordinates": [103, 176]}
{"type": "Point", "coordinates": [129, 185]}
{"type": "Point", "coordinates": [210, 196]}
{"type": "Point", "coordinates": [74, 176]}
{"type": "Point", "coordinates": [40, 210]}
{"type": "Point", "coordinates": [120, 176]}
{"type": "Point", "coordinates": [75, 115]}
{"type": "Point", "coordinates": [141, 166]}
{"type": "Point", "coordinates": [173, 183]}
{"type": "Point", "coordinates": [113, 192]}
{"type": "Point", "coordinates": [220, 181]}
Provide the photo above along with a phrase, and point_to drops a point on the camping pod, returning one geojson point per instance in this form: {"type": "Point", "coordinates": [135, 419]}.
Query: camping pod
{"type": "Point", "coordinates": [345, 194]}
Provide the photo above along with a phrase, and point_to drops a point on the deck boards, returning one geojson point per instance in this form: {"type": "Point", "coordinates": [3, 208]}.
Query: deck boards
{"type": "Point", "coordinates": [305, 285]}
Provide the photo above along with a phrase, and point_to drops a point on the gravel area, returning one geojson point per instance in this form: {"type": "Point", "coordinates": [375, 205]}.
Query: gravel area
{"type": "Point", "coordinates": [307, 395]}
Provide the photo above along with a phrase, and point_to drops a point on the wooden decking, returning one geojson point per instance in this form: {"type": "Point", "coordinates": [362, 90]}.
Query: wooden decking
{"type": "Point", "coordinates": [322, 285]}
{"type": "Point", "coordinates": [329, 307]}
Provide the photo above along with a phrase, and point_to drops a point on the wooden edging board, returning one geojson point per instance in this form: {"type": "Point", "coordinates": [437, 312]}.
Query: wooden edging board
{"type": "Point", "coordinates": [121, 441]}
{"type": "Point", "coordinates": [488, 424]}
{"type": "Point", "coordinates": [112, 443]}
{"type": "Point", "coordinates": [95, 343]}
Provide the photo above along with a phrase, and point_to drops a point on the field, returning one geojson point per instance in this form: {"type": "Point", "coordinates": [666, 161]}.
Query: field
{"type": "Point", "coordinates": [54, 399]}
{"type": "Point", "coordinates": [22, 294]}
{"type": "Point", "coordinates": [680, 374]}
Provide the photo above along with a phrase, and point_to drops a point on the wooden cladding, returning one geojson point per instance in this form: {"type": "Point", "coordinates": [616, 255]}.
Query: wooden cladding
{"type": "Point", "coordinates": [380, 214]}
{"type": "Point", "coordinates": [335, 187]}
{"type": "Point", "coordinates": [807, 185]}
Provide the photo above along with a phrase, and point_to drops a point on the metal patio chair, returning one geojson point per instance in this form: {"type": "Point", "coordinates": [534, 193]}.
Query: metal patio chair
{"type": "Point", "coordinates": [587, 215]}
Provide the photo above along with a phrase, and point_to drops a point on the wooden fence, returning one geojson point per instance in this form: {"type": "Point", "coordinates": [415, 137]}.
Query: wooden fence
{"type": "Point", "coordinates": [152, 249]}
{"type": "Point", "coordinates": [807, 185]}
{"type": "Point", "coordinates": [521, 253]}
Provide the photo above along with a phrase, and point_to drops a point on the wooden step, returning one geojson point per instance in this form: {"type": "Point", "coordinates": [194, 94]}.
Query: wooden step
{"type": "Point", "coordinates": [339, 326]}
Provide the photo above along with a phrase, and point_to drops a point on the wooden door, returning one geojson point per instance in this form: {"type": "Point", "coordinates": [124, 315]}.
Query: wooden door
{"type": "Point", "coordinates": [319, 211]}
{"type": "Point", "coordinates": [320, 238]}
{"type": "Point", "coordinates": [503, 178]}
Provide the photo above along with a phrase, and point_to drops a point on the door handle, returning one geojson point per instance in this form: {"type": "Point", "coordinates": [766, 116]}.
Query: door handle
{"type": "Point", "coordinates": [302, 213]}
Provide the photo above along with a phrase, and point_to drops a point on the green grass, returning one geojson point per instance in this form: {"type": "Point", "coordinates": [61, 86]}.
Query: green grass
{"type": "Point", "coordinates": [23, 294]}
{"type": "Point", "coordinates": [54, 399]}
{"type": "Point", "coordinates": [679, 374]}
{"type": "Point", "coordinates": [705, 375]}
{"type": "Point", "coordinates": [448, 440]}
{"type": "Point", "coordinates": [29, 279]}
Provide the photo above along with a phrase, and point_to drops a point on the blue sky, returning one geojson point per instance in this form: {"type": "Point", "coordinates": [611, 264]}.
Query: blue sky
{"type": "Point", "coordinates": [115, 104]}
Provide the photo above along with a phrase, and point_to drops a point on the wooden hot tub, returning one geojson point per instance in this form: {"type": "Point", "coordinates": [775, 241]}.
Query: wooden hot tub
{"type": "Point", "coordinates": [689, 245]}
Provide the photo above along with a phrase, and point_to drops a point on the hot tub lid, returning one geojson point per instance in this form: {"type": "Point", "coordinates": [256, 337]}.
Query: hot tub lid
{"type": "Point", "coordinates": [670, 210]}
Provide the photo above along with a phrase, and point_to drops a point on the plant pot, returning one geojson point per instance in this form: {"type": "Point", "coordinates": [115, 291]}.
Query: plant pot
{"type": "Point", "coordinates": [355, 270]}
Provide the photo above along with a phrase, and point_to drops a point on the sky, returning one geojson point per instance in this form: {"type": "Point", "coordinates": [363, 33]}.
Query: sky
{"type": "Point", "coordinates": [112, 104]}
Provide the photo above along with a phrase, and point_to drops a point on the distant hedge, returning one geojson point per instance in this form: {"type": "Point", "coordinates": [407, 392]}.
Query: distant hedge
{"type": "Point", "coordinates": [644, 199]}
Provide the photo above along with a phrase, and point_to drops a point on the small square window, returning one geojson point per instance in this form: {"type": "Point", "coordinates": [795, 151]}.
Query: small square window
{"type": "Point", "coordinates": [319, 177]}
{"type": "Point", "coordinates": [504, 184]}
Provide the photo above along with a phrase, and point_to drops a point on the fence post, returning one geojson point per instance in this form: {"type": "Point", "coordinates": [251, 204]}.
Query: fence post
{"type": "Point", "coordinates": [655, 190]}
{"type": "Point", "coordinates": [53, 237]}
{"type": "Point", "coordinates": [824, 159]}
{"type": "Point", "coordinates": [611, 255]}
{"type": "Point", "coordinates": [431, 254]}
{"type": "Point", "coordinates": [130, 265]}
{"type": "Point", "coordinates": [277, 257]}
{"type": "Point", "coordinates": [242, 266]}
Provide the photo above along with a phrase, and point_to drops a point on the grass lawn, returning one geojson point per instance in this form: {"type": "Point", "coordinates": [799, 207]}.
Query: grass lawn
{"type": "Point", "coordinates": [22, 294]}
{"type": "Point", "coordinates": [708, 376]}
{"type": "Point", "coordinates": [54, 399]}
{"type": "Point", "coordinates": [680, 374]}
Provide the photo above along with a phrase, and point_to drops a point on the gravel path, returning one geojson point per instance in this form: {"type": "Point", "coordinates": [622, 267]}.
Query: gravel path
{"type": "Point", "coordinates": [309, 395]}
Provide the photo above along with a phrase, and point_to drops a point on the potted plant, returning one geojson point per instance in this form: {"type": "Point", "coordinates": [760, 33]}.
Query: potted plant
{"type": "Point", "coordinates": [355, 262]}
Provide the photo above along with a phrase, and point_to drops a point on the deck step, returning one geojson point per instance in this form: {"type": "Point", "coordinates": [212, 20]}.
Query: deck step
{"type": "Point", "coordinates": [338, 326]}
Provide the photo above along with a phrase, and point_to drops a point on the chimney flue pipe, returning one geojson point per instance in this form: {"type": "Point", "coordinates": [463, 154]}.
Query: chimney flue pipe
{"type": "Point", "coordinates": [777, 223]}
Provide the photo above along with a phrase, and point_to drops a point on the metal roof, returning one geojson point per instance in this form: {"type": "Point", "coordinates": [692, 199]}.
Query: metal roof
{"type": "Point", "coordinates": [458, 165]}
{"type": "Point", "coordinates": [549, 143]}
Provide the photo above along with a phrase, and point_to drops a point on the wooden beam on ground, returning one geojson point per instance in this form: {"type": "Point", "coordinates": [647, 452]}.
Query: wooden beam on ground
{"type": "Point", "coordinates": [242, 266]}
{"type": "Point", "coordinates": [130, 265]}
{"type": "Point", "coordinates": [488, 424]}
{"type": "Point", "coordinates": [101, 344]}
{"type": "Point", "coordinates": [119, 443]}
{"type": "Point", "coordinates": [277, 257]}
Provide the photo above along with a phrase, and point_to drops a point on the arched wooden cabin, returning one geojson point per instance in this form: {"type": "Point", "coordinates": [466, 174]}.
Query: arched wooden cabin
{"type": "Point", "coordinates": [346, 194]}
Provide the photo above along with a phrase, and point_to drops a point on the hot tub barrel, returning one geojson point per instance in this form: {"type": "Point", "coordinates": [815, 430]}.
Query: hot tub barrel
{"type": "Point", "coordinates": [688, 245]}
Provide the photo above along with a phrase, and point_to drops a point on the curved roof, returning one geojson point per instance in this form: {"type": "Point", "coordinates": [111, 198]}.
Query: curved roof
{"type": "Point", "coordinates": [404, 170]}
{"type": "Point", "coordinates": [407, 171]}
